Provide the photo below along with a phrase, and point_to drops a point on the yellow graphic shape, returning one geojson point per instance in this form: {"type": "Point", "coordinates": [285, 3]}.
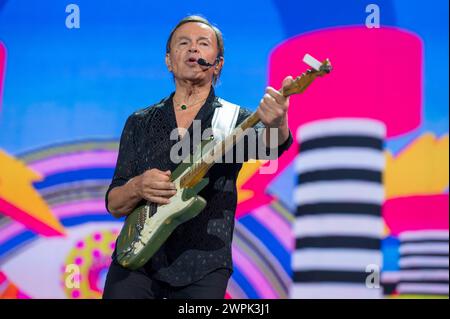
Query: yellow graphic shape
{"type": "Point", "coordinates": [28, 207]}
{"type": "Point", "coordinates": [421, 169]}
{"type": "Point", "coordinates": [247, 171]}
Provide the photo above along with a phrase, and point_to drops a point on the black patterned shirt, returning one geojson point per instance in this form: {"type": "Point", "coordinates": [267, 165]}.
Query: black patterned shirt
{"type": "Point", "coordinates": [202, 244]}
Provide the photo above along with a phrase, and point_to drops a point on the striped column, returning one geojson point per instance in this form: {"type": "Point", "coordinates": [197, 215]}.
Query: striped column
{"type": "Point", "coordinates": [339, 195]}
{"type": "Point", "coordinates": [424, 263]}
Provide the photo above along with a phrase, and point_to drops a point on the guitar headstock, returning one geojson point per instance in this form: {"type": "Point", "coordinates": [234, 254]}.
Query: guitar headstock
{"type": "Point", "coordinates": [301, 82]}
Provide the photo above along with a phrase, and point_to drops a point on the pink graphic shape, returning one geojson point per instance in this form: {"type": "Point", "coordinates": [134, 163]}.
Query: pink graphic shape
{"type": "Point", "coordinates": [80, 208]}
{"type": "Point", "coordinates": [254, 275]}
{"type": "Point", "coordinates": [26, 219]}
{"type": "Point", "coordinates": [416, 213]}
{"type": "Point", "coordinates": [276, 225]}
{"type": "Point", "coordinates": [377, 74]}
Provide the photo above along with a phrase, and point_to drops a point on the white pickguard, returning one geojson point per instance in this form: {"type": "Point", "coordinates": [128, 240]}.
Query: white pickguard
{"type": "Point", "coordinates": [164, 214]}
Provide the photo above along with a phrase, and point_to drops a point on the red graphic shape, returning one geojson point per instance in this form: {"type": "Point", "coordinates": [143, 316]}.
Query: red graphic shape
{"type": "Point", "coordinates": [416, 213]}
{"type": "Point", "coordinates": [29, 221]}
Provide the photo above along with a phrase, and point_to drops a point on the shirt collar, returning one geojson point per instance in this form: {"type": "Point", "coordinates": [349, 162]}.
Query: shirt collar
{"type": "Point", "coordinates": [211, 99]}
{"type": "Point", "coordinates": [205, 112]}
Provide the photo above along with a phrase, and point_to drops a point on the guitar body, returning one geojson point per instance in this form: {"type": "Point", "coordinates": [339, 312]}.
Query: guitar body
{"type": "Point", "coordinates": [149, 226]}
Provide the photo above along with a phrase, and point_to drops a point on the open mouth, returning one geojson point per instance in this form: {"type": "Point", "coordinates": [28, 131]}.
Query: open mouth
{"type": "Point", "coordinates": [191, 60]}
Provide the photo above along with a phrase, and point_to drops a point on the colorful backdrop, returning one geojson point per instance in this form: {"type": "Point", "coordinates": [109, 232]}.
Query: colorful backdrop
{"type": "Point", "coordinates": [358, 207]}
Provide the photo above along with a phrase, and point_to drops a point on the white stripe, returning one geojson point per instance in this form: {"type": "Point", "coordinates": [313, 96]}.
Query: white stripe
{"type": "Point", "coordinates": [340, 158]}
{"type": "Point", "coordinates": [334, 291]}
{"type": "Point", "coordinates": [423, 275]}
{"type": "Point", "coordinates": [338, 225]}
{"type": "Point", "coordinates": [341, 126]}
{"type": "Point", "coordinates": [419, 275]}
{"type": "Point", "coordinates": [424, 235]}
{"type": "Point", "coordinates": [425, 248]}
{"type": "Point", "coordinates": [390, 277]}
{"type": "Point", "coordinates": [423, 288]}
{"type": "Point", "coordinates": [340, 191]}
{"type": "Point", "coordinates": [423, 261]}
{"type": "Point", "coordinates": [335, 259]}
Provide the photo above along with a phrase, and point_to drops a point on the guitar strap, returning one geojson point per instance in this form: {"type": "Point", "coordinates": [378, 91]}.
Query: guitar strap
{"type": "Point", "coordinates": [224, 119]}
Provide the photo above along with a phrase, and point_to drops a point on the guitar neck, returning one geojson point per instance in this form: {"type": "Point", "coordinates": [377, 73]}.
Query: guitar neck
{"type": "Point", "coordinates": [207, 160]}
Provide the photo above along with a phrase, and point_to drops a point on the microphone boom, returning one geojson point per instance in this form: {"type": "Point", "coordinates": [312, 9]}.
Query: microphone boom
{"type": "Point", "coordinates": [203, 62]}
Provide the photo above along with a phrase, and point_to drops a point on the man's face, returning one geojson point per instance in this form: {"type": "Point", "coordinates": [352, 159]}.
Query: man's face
{"type": "Point", "coordinates": [191, 41]}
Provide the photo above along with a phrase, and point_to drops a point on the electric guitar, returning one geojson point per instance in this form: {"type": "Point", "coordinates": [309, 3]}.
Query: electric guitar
{"type": "Point", "coordinates": [149, 226]}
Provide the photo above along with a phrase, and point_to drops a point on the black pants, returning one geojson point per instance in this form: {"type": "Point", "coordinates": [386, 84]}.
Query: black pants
{"type": "Point", "coordinates": [122, 283]}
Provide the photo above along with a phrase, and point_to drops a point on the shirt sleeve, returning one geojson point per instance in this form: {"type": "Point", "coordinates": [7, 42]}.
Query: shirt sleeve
{"type": "Point", "coordinates": [126, 160]}
{"type": "Point", "coordinates": [270, 153]}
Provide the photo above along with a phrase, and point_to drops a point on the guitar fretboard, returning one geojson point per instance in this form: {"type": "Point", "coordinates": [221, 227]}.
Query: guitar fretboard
{"type": "Point", "coordinates": [201, 167]}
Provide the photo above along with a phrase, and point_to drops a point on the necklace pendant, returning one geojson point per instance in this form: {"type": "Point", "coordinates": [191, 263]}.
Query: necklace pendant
{"type": "Point", "coordinates": [183, 107]}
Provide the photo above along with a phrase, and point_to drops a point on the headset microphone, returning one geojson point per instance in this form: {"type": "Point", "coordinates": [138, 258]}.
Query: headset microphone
{"type": "Point", "coordinates": [203, 62]}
